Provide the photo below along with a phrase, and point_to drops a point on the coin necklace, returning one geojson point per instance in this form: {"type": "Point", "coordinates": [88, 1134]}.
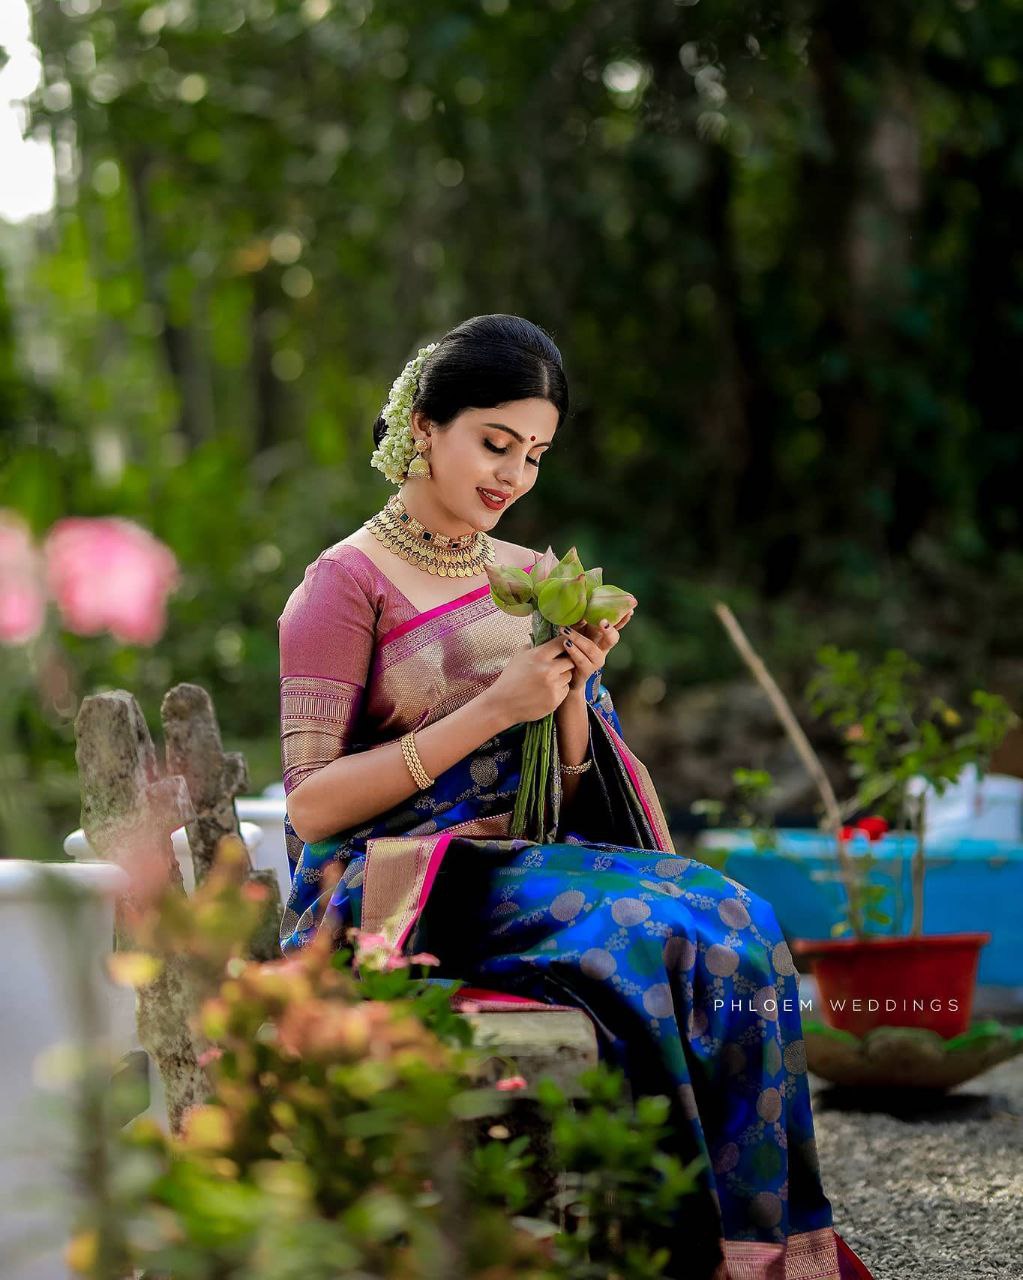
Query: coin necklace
{"type": "Point", "coordinates": [436, 553]}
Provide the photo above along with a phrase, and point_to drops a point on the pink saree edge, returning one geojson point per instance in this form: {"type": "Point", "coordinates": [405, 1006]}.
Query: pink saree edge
{"type": "Point", "coordinates": [437, 611]}
{"type": "Point", "coordinates": [651, 807]}
{"type": "Point", "coordinates": [432, 867]}
{"type": "Point", "coordinates": [410, 624]}
{"type": "Point", "coordinates": [808, 1255]}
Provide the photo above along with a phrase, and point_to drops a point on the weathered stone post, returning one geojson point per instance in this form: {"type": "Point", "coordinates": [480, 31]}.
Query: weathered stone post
{"type": "Point", "coordinates": [128, 814]}
{"type": "Point", "coordinates": [214, 778]}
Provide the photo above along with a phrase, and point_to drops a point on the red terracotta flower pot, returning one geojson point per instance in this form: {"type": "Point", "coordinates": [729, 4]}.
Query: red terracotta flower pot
{"type": "Point", "coordinates": [895, 982]}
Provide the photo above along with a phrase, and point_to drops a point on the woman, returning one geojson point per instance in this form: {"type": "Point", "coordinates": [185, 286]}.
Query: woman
{"type": "Point", "coordinates": [404, 696]}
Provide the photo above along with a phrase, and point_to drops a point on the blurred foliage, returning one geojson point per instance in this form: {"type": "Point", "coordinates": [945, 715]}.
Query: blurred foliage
{"type": "Point", "coordinates": [339, 1134]}
{"type": "Point", "coordinates": [775, 242]}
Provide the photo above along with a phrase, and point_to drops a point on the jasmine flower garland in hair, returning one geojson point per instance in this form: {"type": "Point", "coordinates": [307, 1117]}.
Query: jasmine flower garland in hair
{"type": "Point", "coordinates": [396, 450]}
{"type": "Point", "coordinates": [557, 593]}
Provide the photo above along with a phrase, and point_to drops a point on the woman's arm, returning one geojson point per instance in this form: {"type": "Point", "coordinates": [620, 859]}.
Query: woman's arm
{"type": "Point", "coordinates": [588, 647]}
{"type": "Point", "coordinates": [354, 788]}
{"type": "Point", "coordinates": [572, 723]}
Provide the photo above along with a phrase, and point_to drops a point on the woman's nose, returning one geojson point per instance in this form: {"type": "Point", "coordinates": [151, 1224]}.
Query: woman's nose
{"type": "Point", "coordinates": [509, 474]}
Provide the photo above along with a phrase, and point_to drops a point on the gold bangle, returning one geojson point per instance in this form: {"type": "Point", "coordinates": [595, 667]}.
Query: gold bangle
{"type": "Point", "coordinates": [415, 766]}
{"type": "Point", "coordinates": [576, 768]}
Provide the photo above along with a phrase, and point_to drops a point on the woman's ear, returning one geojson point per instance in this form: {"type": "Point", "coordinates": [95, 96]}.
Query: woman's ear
{"type": "Point", "coordinates": [421, 425]}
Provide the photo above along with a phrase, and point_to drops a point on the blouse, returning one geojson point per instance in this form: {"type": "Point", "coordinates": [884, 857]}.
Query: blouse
{"type": "Point", "coordinates": [328, 632]}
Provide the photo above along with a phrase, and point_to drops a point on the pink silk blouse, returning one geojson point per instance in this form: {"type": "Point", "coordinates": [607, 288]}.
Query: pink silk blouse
{"type": "Point", "coordinates": [329, 632]}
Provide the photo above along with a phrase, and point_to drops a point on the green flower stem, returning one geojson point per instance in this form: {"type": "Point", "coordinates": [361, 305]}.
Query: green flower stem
{"type": "Point", "coordinates": [529, 814]}
{"type": "Point", "coordinates": [543, 773]}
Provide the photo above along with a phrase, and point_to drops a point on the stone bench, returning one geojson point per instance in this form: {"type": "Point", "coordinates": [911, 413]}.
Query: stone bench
{"type": "Point", "coordinates": [556, 1041]}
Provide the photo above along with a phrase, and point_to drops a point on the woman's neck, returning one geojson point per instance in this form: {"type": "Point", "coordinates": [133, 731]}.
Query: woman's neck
{"type": "Point", "coordinates": [421, 504]}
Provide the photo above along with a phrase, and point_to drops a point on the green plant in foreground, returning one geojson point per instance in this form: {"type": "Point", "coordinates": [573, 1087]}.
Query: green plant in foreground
{"type": "Point", "coordinates": [336, 1138]}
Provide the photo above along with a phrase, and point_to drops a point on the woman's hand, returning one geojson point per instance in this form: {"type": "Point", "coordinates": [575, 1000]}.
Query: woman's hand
{"type": "Point", "coordinates": [588, 645]}
{"type": "Point", "coordinates": [534, 682]}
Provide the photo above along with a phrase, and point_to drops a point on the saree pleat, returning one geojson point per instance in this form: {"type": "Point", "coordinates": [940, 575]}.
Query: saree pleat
{"type": "Point", "coordinates": [684, 972]}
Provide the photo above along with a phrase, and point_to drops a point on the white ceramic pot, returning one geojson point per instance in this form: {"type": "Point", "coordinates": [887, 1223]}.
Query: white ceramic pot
{"type": "Point", "coordinates": [54, 993]}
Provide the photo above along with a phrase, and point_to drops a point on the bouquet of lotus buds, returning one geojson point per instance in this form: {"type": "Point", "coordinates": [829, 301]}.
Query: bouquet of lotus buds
{"type": "Point", "coordinates": [557, 593]}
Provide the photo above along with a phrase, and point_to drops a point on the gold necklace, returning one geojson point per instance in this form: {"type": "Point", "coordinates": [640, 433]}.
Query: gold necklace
{"type": "Point", "coordinates": [436, 553]}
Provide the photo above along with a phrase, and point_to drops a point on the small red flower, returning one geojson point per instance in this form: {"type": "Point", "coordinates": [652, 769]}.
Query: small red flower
{"type": "Point", "coordinates": [510, 1083]}
{"type": "Point", "coordinates": [873, 827]}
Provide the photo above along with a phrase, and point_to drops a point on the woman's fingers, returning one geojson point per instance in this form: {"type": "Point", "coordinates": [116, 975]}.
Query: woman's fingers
{"type": "Point", "coordinates": [573, 650]}
{"type": "Point", "coordinates": [583, 666]}
{"type": "Point", "coordinates": [593, 652]}
{"type": "Point", "coordinates": [608, 636]}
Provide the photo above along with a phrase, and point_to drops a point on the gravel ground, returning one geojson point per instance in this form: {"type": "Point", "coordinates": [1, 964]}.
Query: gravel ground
{"type": "Point", "coordinates": [932, 1196]}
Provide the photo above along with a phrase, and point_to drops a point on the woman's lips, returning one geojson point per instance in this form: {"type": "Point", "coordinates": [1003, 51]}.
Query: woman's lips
{"type": "Point", "coordinates": [489, 500]}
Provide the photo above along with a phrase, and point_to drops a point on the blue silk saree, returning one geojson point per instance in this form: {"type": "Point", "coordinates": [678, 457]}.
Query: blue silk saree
{"type": "Point", "coordinates": [684, 972]}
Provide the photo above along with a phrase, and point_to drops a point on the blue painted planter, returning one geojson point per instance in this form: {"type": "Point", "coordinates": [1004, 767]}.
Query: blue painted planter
{"type": "Point", "coordinates": [971, 885]}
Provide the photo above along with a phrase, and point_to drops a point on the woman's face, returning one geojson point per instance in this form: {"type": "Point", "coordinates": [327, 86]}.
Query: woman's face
{"type": "Point", "coordinates": [498, 451]}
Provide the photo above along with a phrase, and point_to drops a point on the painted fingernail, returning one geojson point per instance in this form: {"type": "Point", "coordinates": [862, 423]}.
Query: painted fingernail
{"type": "Point", "coordinates": [604, 623]}
{"type": "Point", "coordinates": [569, 645]}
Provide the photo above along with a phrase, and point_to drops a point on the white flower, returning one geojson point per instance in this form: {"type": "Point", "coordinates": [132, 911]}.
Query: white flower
{"type": "Point", "coordinates": [397, 448]}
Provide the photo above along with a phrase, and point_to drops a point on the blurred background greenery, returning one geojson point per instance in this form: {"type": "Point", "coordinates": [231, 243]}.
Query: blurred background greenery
{"type": "Point", "coordinates": [776, 242]}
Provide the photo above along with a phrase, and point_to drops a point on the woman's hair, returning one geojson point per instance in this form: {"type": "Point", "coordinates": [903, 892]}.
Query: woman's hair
{"type": "Point", "coordinates": [486, 361]}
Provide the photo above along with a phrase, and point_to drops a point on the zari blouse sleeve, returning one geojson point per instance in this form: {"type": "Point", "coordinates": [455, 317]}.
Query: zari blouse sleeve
{"type": "Point", "coordinates": [326, 642]}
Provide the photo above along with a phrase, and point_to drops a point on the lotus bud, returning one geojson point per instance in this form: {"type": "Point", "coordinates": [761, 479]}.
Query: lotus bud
{"type": "Point", "coordinates": [511, 589]}
{"type": "Point", "coordinates": [562, 600]}
{"type": "Point", "coordinates": [568, 566]}
{"type": "Point", "coordinates": [594, 578]}
{"type": "Point", "coordinates": [516, 610]}
{"type": "Point", "coordinates": [542, 568]}
{"type": "Point", "coordinates": [608, 602]}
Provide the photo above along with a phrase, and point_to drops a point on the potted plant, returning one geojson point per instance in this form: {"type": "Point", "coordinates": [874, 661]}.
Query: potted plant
{"type": "Point", "coordinates": [897, 740]}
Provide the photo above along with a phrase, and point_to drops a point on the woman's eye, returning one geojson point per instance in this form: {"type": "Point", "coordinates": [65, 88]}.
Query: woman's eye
{"type": "Point", "coordinates": [494, 449]}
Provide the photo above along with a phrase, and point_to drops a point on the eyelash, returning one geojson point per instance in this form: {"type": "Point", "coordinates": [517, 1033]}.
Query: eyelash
{"type": "Point", "coordinates": [494, 449]}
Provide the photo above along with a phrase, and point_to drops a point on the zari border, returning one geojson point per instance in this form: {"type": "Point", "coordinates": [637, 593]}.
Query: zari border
{"type": "Point", "coordinates": [644, 788]}
{"type": "Point", "coordinates": [400, 871]}
{"type": "Point", "coordinates": [809, 1255]}
{"type": "Point", "coordinates": [427, 615]}
{"type": "Point", "coordinates": [400, 628]}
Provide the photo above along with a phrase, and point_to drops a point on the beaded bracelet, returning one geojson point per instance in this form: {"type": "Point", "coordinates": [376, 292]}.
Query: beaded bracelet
{"type": "Point", "coordinates": [576, 768]}
{"type": "Point", "coordinates": [415, 766]}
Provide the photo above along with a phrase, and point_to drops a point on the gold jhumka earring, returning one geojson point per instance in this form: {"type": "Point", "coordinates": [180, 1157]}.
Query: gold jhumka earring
{"type": "Point", "coordinates": [419, 467]}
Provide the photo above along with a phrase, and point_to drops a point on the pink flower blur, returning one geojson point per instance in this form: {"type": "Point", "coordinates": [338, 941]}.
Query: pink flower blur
{"type": "Point", "coordinates": [110, 574]}
{"type": "Point", "coordinates": [510, 1083]}
{"type": "Point", "coordinates": [367, 941]}
{"type": "Point", "coordinates": [22, 587]}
